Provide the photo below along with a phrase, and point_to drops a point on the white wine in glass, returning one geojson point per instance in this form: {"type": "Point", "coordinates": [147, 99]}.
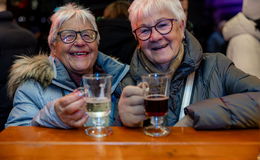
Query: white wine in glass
{"type": "Point", "coordinates": [98, 99]}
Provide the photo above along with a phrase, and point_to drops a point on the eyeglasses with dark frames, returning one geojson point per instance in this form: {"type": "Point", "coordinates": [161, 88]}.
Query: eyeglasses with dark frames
{"type": "Point", "coordinates": [163, 27]}
{"type": "Point", "coordinates": [69, 36]}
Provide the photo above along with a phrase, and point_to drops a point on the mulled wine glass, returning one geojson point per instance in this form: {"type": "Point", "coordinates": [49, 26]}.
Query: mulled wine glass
{"type": "Point", "coordinates": [156, 97]}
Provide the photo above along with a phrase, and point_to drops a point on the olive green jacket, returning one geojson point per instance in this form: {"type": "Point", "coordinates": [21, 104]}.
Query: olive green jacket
{"type": "Point", "coordinates": [223, 96]}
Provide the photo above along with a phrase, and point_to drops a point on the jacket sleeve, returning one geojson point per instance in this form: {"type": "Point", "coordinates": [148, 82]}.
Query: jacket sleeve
{"type": "Point", "coordinates": [47, 117]}
{"type": "Point", "coordinates": [238, 104]}
{"type": "Point", "coordinates": [233, 111]}
{"type": "Point", "coordinates": [29, 108]}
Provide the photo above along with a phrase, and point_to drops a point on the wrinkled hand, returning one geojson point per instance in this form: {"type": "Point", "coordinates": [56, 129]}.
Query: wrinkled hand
{"type": "Point", "coordinates": [131, 106]}
{"type": "Point", "coordinates": [70, 109]}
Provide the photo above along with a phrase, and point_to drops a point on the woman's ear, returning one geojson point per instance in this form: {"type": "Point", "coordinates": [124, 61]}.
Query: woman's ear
{"type": "Point", "coordinates": [182, 27]}
{"type": "Point", "coordinates": [135, 36]}
{"type": "Point", "coordinates": [53, 50]}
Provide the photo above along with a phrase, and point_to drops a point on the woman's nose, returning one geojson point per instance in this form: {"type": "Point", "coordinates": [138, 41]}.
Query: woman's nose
{"type": "Point", "coordinates": [79, 41]}
{"type": "Point", "coordinates": [155, 35]}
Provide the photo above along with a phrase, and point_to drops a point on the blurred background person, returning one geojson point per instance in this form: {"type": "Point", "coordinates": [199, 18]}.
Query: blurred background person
{"type": "Point", "coordinates": [116, 38]}
{"type": "Point", "coordinates": [46, 87]}
{"type": "Point", "coordinates": [243, 34]}
{"type": "Point", "coordinates": [14, 41]}
{"type": "Point", "coordinates": [216, 41]}
{"type": "Point", "coordinates": [185, 6]}
{"type": "Point", "coordinates": [208, 30]}
{"type": "Point", "coordinates": [220, 11]}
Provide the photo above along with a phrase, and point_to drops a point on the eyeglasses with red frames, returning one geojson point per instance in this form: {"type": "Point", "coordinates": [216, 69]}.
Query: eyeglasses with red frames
{"type": "Point", "coordinates": [163, 27]}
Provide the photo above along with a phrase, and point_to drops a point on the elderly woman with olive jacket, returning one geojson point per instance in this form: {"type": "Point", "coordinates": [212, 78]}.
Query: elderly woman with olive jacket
{"type": "Point", "coordinates": [222, 96]}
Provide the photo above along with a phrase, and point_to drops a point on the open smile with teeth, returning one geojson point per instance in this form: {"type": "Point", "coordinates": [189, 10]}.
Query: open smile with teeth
{"type": "Point", "coordinates": [79, 53]}
{"type": "Point", "coordinates": [159, 47]}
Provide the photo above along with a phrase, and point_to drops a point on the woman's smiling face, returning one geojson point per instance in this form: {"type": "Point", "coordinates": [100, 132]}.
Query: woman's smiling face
{"type": "Point", "coordinates": [79, 56]}
{"type": "Point", "coordinates": [161, 49]}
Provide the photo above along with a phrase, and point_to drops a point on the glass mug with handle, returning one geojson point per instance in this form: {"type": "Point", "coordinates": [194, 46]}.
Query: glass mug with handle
{"type": "Point", "coordinates": [155, 87]}
{"type": "Point", "coordinates": [98, 103]}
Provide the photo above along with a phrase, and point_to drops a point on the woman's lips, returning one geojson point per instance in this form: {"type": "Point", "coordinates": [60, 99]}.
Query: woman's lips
{"type": "Point", "coordinates": [159, 47]}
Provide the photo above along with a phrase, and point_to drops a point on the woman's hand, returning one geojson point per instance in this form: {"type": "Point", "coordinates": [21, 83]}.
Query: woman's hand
{"type": "Point", "coordinates": [71, 109]}
{"type": "Point", "coordinates": [131, 106]}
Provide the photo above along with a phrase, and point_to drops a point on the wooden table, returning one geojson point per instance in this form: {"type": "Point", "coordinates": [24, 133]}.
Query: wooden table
{"type": "Point", "coordinates": [125, 143]}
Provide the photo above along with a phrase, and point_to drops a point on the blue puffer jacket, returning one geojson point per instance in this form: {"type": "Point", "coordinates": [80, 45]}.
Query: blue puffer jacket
{"type": "Point", "coordinates": [37, 82]}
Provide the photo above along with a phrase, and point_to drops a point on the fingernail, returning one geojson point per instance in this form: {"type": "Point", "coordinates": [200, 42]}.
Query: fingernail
{"type": "Point", "coordinates": [80, 94]}
{"type": "Point", "coordinates": [79, 91]}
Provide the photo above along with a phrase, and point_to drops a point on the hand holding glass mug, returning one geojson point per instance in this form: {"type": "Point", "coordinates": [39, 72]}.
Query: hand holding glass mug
{"type": "Point", "coordinates": [155, 87]}
{"type": "Point", "coordinates": [70, 109]}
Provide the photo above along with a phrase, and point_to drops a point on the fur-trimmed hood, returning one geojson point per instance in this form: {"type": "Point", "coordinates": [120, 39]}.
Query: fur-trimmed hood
{"type": "Point", "coordinates": [38, 68]}
{"type": "Point", "coordinates": [49, 70]}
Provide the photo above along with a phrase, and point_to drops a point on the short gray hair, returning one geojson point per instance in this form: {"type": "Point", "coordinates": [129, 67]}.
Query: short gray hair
{"type": "Point", "coordinates": [64, 13]}
{"type": "Point", "coordinates": [147, 7]}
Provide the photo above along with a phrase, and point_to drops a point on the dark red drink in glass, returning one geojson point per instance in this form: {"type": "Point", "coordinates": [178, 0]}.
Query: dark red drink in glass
{"type": "Point", "coordinates": [156, 105]}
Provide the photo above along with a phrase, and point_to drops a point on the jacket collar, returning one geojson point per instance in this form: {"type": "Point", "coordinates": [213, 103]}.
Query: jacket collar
{"type": "Point", "coordinates": [61, 76]}
{"type": "Point", "coordinates": [193, 55]}
{"type": "Point", "coordinates": [108, 64]}
{"type": "Point", "coordinates": [112, 67]}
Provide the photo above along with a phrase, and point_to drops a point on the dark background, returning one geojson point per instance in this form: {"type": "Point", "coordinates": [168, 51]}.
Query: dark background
{"type": "Point", "coordinates": [204, 15]}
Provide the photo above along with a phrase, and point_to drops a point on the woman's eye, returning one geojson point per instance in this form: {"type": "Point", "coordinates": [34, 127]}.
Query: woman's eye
{"type": "Point", "coordinates": [162, 25]}
{"type": "Point", "coordinates": [144, 31]}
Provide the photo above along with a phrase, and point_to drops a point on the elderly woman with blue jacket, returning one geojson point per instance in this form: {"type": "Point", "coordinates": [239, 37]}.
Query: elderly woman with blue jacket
{"type": "Point", "coordinates": [208, 88]}
{"type": "Point", "coordinates": [44, 88]}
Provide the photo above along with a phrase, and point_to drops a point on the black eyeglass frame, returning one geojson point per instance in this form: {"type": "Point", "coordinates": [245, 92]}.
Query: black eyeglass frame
{"type": "Point", "coordinates": [78, 32]}
{"type": "Point", "coordinates": [154, 26]}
